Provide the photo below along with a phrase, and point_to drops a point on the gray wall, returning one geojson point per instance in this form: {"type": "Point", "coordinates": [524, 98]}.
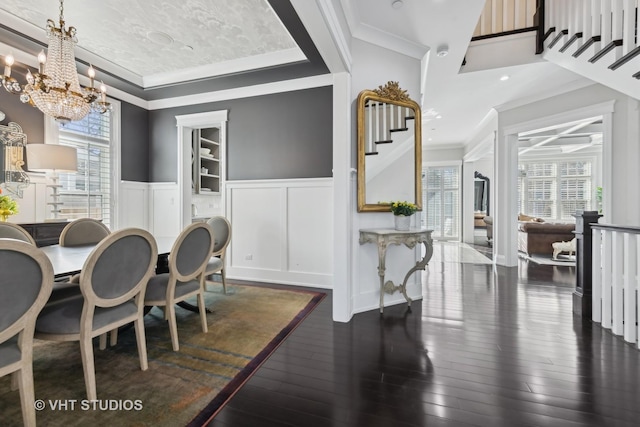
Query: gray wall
{"type": "Point", "coordinates": [29, 118]}
{"type": "Point", "coordinates": [277, 136]}
{"type": "Point", "coordinates": [134, 147]}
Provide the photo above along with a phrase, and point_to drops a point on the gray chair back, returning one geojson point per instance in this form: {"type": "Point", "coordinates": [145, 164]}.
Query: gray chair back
{"type": "Point", "coordinates": [119, 267]}
{"type": "Point", "coordinates": [14, 231]}
{"type": "Point", "coordinates": [221, 233]}
{"type": "Point", "coordinates": [83, 231]}
{"type": "Point", "coordinates": [191, 251]}
{"type": "Point", "coordinates": [25, 285]}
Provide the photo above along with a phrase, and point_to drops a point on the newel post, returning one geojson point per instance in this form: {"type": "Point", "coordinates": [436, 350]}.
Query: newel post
{"type": "Point", "coordinates": [582, 295]}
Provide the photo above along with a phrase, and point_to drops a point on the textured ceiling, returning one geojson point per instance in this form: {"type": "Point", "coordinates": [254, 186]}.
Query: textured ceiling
{"type": "Point", "coordinates": [151, 38]}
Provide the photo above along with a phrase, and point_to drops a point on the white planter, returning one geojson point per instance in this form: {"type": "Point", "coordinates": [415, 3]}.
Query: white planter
{"type": "Point", "coordinates": [402, 222]}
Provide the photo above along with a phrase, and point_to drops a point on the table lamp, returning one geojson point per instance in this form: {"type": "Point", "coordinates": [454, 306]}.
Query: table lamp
{"type": "Point", "coordinates": [52, 158]}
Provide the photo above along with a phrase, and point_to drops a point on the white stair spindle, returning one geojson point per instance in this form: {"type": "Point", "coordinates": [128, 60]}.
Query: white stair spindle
{"type": "Point", "coordinates": [596, 276]}
{"type": "Point", "coordinates": [606, 22]}
{"type": "Point", "coordinates": [596, 17]}
{"type": "Point", "coordinates": [606, 279]}
{"type": "Point", "coordinates": [629, 26]}
{"type": "Point", "coordinates": [617, 277]}
{"type": "Point", "coordinates": [587, 22]}
{"type": "Point", "coordinates": [630, 286]}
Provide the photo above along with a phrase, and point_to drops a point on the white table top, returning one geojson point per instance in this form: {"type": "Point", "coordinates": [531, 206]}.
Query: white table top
{"type": "Point", "coordinates": [70, 260]}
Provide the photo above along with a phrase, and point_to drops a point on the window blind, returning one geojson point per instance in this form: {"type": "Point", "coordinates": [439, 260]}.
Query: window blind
{"type": "Point", "coordinates": [87, 193]}
{"type": "Point", "coordinates": [441, 201]}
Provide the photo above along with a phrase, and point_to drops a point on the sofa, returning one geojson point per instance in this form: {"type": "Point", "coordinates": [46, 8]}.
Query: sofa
{"type": "Point", "coordinates": [537, 237]}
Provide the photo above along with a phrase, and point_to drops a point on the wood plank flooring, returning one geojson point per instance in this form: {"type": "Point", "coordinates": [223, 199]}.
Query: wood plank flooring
{"type": "Point", "coordinates": [482, 348]}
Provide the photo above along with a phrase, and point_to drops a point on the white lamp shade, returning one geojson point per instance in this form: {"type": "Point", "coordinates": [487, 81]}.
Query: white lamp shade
{"type": "Point", "coordinates": [51, 157]}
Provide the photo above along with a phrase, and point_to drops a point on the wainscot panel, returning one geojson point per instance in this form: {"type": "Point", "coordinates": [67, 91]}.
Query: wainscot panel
{"type": "Point", "coordinates": [282, 231]}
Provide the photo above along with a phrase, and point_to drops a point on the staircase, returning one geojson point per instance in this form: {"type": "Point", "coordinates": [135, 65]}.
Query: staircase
{"type": "Point", "coordinates": [596, 39]}
{"type": "Point", "coordinates": [387, 135]}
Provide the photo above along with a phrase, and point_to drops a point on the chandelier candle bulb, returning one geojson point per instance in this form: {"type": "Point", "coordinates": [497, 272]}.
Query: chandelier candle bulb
{"type": "Point", "coordinates": [92, 75]}
{"type": "Point", "coordinates": [8, 62]}
{"type": "Point", "coordinates": [42, 58]}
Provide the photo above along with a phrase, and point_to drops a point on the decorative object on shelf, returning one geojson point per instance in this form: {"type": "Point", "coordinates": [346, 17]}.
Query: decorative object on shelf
{"type": "Point", "coordinates": [8, 207]}
{"type": "Point", "coordinates": [55, 89]}
{"type": "Point", "coordinates": [52, 158]}
{"type": "Point", "coordinates": [402, 212]}
{"type": "Point", "coordinates": [12, 142]}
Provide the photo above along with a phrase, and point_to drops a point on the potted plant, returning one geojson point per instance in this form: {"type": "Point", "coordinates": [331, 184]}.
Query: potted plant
{"type": "Point", "coordinates": [8, 206]}
{"type": "Point", "coordinates": [402, 211]}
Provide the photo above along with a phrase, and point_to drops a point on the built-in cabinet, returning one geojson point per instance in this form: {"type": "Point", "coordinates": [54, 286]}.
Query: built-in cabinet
{"type": "Point", "coordinates": [207, 161]}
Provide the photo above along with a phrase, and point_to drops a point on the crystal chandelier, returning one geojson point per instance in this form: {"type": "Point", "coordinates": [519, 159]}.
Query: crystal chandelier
{"type": "Point", "coordinates": [55, 89]}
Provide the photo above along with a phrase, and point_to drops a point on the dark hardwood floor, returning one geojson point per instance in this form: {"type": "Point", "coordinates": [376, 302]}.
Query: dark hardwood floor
{"type": "Point", "coordinates": [483, 347]}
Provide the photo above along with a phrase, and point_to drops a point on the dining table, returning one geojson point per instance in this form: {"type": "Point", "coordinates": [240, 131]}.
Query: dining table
{"type": "Point", "coordinates": [69, 260]}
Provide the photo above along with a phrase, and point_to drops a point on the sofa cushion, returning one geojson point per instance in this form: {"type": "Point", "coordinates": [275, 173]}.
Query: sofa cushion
{"type": "Point", "coordinates": [523, 217]}
{"type": "Point", "coordinates": [546, 227]}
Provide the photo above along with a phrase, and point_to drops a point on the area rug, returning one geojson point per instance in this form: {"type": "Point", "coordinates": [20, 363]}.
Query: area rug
{"type": "Point", "coordinates": [180, 388]}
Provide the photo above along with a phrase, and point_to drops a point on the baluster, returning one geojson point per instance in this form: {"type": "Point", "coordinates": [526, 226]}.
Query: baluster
{"type": "Point", "coordinates": [377, 121]}
{"type": "Point", "coordinates": [630, 286]}
{"type": "Point", "coordinates": [616, 24]}
{"type": "Point", "coordinates": [629, 26]}
{"type": "Point", "coordinates": [508, 15]}
{"type": "Point", "coordinates": [606, 280]}
{"type": "Point", "coordinates": [369, 128]}
{"type": "Point", "coordinates": [587, 23]}
{"type": "Point", "coordinates": [596, 276]}
{"type": "Point", "coordinates": [606, 22]}
{"type": "Point", "coordinates": [385, 128]}
{"type": "Point", "coordinates": [617, 278]}
{"type": "Point", "coordinates": [596, 17]}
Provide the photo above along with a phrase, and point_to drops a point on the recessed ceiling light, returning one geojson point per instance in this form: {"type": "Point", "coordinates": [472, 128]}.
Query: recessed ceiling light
{"type": "Point", "coordinates": [397, 4]}
{"type": "Point", "coordinates": [438, 116]}
{"type": "Point", "coordinates": [504, 78]}
{"type": "Point", "coordinates": [443, 50]}
{"type": "Point", "coordinates": [430, 139]}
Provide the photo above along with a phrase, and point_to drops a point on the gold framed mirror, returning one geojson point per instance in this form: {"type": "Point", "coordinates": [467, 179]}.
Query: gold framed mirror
{"type": "Point", "coordinates": [12, 144]}
{"type": "Point", "coordinates": [389, 149]}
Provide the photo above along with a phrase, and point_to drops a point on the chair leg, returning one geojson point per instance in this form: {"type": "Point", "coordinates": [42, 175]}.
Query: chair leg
{"type": "Point", "coordinates": [86, 350]}
{"type": "Point", "coordinates": [15, 381]}
{"type": "Point", "coordinates": [142, 343]}
{"type": "Point", "coordinates": [114, 337]}
{"type": "Point", "coordinates": [203, 311]}
{"type": "Point", "coordinates": [173, 326]}
{"type": "Point", "coordinates": [25, 379]}
{"type": "Point", "coordinates": [102, 341]}
{"type": "Point", "coordinates": [223, 275]}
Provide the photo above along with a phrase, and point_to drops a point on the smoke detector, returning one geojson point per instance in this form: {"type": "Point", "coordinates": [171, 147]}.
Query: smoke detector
{"type": "Point", "coordinates": [443, 50]}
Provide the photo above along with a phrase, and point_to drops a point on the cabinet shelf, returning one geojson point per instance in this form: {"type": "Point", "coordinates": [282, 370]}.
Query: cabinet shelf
{"type": "Point", "coordinates": [207, 163]}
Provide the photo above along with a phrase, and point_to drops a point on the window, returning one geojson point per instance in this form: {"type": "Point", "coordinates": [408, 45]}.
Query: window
{"type": "Point", "coordinates": [554, 190]}
{"type": "Point", "coordinates": [441, 201]}
{"type": "Point", "coordinates": [88, 192]}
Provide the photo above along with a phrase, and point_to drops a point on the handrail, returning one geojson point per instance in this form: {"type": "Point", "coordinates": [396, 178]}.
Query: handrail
{"type": "Point", "coordinates": [613, 227]}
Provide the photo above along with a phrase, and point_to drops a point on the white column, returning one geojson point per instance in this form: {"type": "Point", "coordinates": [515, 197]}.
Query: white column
{"type": "Point", "coordinates": [505, 214]}
{"type": "Point", "coordinates": [343, 207]}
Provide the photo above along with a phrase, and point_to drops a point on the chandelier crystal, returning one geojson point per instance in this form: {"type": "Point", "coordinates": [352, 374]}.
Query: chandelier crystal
{"type": "Point", "coordinates": [55, 89]}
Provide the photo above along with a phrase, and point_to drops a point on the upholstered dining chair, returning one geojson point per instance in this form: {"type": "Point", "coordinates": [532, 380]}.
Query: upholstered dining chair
{"type": "Point", "coordinates": [25, 285]}
{"type": "Point", "coordinates": [14, 231]}
{"type": "Point", "coordinates": [83, 231]}
{"type": "Point", "coordinates": [188, 257]}
{"type": "Point", "coordinates": [113, 282]}
{"type": "Point", "coordinates": [222, 236]}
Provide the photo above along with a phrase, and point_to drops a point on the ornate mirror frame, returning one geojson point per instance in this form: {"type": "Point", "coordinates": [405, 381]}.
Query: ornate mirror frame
{"type": "Point", "coordinates": [12, 143]}
{"type": "Point", "coordinates": [382, 114]}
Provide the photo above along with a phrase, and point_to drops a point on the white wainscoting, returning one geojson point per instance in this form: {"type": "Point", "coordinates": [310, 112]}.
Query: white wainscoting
{"type": "Point", "coordinates": [282, 231]}
{"type": "Point", "coordinates": [133, 205]}
{"type": "Point", "coordinates": [164, 200]}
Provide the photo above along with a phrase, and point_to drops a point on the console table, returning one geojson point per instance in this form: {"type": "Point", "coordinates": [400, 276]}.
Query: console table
{"type": "Point", "coordinates": [45, 233]}
{"type": "Point", "coordinates": [384, 237]}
